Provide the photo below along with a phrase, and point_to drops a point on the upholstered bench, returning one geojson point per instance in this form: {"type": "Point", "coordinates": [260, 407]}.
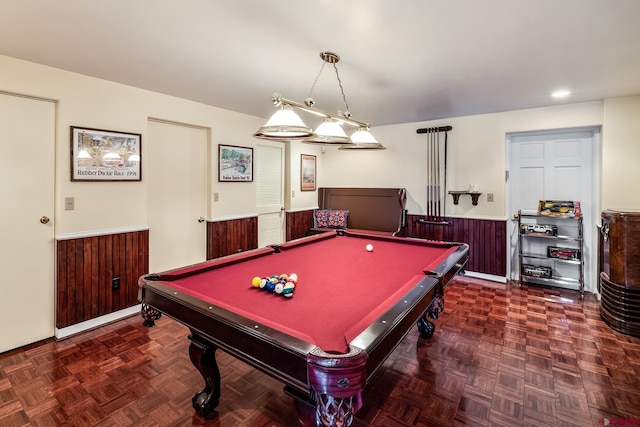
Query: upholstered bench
{"type": "Point", "coordinates": [371, 210]}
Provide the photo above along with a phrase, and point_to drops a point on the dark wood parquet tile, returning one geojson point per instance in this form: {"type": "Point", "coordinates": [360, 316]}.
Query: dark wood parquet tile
{"type": "Point", "coordinates": [502, 355]}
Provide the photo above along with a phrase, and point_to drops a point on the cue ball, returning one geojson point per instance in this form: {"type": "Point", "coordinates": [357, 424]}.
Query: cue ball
{"type": "Point", "coordinates": [369, 247]}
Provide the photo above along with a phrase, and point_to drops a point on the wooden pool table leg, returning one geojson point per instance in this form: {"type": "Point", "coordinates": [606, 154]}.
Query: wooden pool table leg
{"type": "Point", "coordinates": [203, 357]}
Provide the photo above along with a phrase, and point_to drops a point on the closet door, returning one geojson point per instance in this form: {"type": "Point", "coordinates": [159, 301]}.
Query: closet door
{"type": "Point", "coordinates": [176, 164]}
{"type": "Point", "coordinates": [556, 165]}
{"type": "Point", "coordinates": [27, 156]}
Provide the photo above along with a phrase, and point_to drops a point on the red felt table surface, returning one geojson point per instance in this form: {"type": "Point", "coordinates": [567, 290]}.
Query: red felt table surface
{"type": "Point", "coordinates": [341, 287]}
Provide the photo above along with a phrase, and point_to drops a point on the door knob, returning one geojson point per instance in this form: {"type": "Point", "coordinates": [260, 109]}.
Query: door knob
{"type": "Point", "coordinates": [201, 219]}
{"type": "Point", "coordinates": [44, 220]}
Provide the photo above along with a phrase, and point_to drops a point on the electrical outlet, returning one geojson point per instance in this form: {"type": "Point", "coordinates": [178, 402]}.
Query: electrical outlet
{"type": "Point", "coordinates": [69, 203]}
{"type": "Point", "coordinates": [489, 197]}
{"type": "Point", "coordinates": [293, 193]}
{"type": "Point", "coordinates": [216, 197]}
{"type": "Point", "coordinates": [115, 283]}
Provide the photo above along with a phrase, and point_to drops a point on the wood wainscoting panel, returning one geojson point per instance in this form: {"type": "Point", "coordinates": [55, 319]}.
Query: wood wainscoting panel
{"type": "Point", "coordinates": [298, 224]}
{"type": "Point", "coordinates": [231, 236]}
{"type": "Point", "coordinates": [86, 268]}
{"type": "Point", "coordinates": [487, 240]}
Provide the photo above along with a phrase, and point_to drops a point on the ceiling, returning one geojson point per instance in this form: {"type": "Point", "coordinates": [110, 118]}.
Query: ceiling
{"type": "Point", "coordinates": [401, 61]}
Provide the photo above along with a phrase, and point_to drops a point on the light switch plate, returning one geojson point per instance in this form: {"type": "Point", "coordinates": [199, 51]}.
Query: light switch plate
{"type": "Point", "coordinates": [69, 203]}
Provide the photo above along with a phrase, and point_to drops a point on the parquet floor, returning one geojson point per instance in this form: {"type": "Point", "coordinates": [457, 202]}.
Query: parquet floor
{"type": "Point", "coordinates": [501, 356]}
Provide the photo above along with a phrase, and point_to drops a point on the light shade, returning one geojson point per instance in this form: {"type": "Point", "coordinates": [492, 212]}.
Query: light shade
{"type": "Point", "coordinates": [284, 124]}
{"type": "Point", "coordinates": [329, 132]}
{"type": "Point", "coordinates": [362, 139]}
{"type": "Point", "coordinates": [363, 136]}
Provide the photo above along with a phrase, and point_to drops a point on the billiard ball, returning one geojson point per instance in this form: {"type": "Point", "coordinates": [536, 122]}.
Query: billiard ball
{"type": "Point", "coordinates": [255, 282]}
{"type": "Point", "coordinates": [369, 247]}
{"type": "Point", "coordinates": [293, 277]}
{"type": "Point", "coordinates": [278, 289]}
{"type": "Point", "coordinates": [288, 290]}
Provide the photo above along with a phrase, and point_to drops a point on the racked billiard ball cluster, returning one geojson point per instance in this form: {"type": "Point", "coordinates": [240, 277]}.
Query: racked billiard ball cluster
{"type": "Point", "coordinates": [282, 284]}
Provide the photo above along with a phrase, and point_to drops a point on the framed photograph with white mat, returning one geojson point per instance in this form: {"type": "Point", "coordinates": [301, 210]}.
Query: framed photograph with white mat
{"type": "Point", "coordinates": [105, 155]}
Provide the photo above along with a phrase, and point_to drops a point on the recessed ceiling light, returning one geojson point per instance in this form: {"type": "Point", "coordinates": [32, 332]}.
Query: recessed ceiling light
{"type": "Point", "coordinates": [560, 93]}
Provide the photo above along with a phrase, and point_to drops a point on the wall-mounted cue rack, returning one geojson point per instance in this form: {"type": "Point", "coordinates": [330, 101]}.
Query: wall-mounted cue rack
{"type": "Point", "coordinates": [436, 174]}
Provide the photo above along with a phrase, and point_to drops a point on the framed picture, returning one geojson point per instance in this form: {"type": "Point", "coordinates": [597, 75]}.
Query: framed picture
{"type": "Point", "coordinates": [307, 172]}
{"type": "Point", "coordinates": [235, 164]}
{"type": "Point", "coordinates": [104, 155]}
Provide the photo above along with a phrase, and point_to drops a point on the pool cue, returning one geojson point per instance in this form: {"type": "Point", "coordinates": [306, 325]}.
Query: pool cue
{"type": "Point", "coordinates": [436, 158]}
{"type": "Point", "coordinates": [428, 175]}
{"type": "Point", "coordinates": [432, 179]}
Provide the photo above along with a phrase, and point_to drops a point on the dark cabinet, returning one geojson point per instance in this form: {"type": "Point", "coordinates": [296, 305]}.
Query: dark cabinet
{"type": "Point", "coordinates": [619, 283]}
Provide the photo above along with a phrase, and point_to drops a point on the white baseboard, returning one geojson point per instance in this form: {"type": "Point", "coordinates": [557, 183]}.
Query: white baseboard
{"type": "Point", "coordinates": [491, 277]}
{"type": "Point", "coordinates": [97, 322]}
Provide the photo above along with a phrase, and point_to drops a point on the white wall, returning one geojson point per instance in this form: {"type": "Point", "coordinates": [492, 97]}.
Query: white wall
{"type": "Point", "coordinates": [476, 150]}
{"type": "Point", "coordinates": [621, 154]}
{"type": "Point", "coordinates": [94, 103]}
{"type": "Point", "coordinates": [302, 199]}
{"type": "Point", "coordinates": [476, 154]}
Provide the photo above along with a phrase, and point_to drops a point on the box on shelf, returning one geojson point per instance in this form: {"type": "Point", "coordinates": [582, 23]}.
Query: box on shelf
{"type": "Point", "coordinates": [549, 230]}
{"type": "Point", "coordinates": [560, 208]}
{"type": "Point", "coordinates": [536, 271]}
{"type": "Point", "coordinates": [563, 253]}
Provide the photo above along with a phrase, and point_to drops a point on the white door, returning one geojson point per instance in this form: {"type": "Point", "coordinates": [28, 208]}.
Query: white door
{"type": "Point", "coordinates": [27, 159]}
{"type": "Point", "coordinates": [174, 158]}
{"type": "Point", "coordinates": [270, 192]}
{"type": "Point", "coordinates": [555, 165]}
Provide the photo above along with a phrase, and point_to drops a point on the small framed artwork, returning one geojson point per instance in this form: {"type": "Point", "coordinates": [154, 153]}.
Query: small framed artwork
{"type": "Point", "coordinates": [235, 164]}
{"type": "Point", "coordinates": [105, 155]}
{"type": "Point", "coordinates": [307, 172]}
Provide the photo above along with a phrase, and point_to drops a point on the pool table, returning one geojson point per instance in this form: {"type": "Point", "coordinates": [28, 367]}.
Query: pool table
{"type": "Point", "coordinates": [349, 310]}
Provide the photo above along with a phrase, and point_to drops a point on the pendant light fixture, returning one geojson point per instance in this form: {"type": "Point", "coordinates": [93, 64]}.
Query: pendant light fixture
{"type": "Point", "coordinates": [286, 125]}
